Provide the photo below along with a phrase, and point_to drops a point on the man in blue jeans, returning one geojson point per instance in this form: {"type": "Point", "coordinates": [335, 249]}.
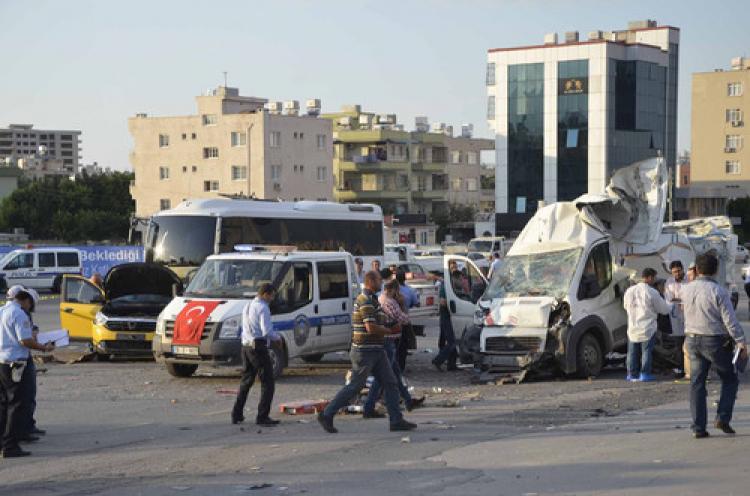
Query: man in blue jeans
{"type": "Point", "coordinates": [643, 304]}
{"type": "Point", "coordinates": [713, 332]}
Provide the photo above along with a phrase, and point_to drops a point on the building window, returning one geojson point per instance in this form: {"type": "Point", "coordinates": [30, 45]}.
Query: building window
{"type": "Point", "coordinates": [734, 89]}
{"type": "Point", "coordinates": [491, 107]}
{"type": "Point", "coordinates": [184, 169]}
{"type": "Point", "coordinates": [193, 136]}
{"type": "Point", "coordinates": [274, 139]}
{"type": "Point", "coordinates": [471, 184]}
{"type": "Point", "coordinates": [276, 172]}
{"type": "Point", "coordinates": [239, 172]}
{"type": "Point", "coordinates": [572, 125]}
{"type": "Point", "coordinates": [195, 168]}
{"type": "Point", "coordinates": [734, 116]}
{"type": "Point", "coordinates": [455, 157]}
{"type": "Point", "coordinates": [733, 143]}
{"type": "Point", "coordinates": [732, 166]}
{"type": "Point", "coordinates": [210, 185]}
{"type": "Point", "coordinates": [163, 140]}
{"type": "Point", "coordinates": [210, 152]}
{"type": "Point", "coordinates": [163, 173]}
{"type": "Point", "coordinates": [322, 174]}
{"type": "Point", "coordinates": [239, 139]}
{"type": "Point", "coordinates": [184, 136]}
{"type": "Point", "coordinates": [165, 204]}
{"type": "Point", "coordinates": [456, 184]}
{"type": "Point", "coordinates": [209, 119]}
{"type": "Point", "coordinates": [321, 142]}
{"type": "Point", "coordinates": [472, 158]}
{"type": "Point", "coordinates": [490, 74]}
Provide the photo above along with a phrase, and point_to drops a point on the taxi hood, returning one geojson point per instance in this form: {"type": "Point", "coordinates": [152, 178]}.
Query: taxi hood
{"type": "Point", "coordinates": [140, 278]}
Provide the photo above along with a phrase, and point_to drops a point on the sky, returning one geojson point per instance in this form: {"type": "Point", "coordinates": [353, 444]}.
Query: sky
{"type": "Point", "coordinates": [89, 65]}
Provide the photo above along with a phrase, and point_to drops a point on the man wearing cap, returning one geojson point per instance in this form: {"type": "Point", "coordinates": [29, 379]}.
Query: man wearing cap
{"type": "Point", "coordinates": [15, 342]}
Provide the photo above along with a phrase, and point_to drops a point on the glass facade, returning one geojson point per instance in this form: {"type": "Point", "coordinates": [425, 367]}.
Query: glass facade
{"type": "Point", "coordinates": [572, 128]}
{"type": "Point", "coordinates": [638, 90]}
{"type": "Point", "coordinates": [525, 137]}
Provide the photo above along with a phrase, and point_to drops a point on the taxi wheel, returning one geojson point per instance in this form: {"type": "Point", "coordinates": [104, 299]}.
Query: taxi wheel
{"type": "Point", "coordinates": [181, 369]}
{"type": "Point", "coordinates": [57, 284]}
{"type": "Point", "coordinates": [314, 358]}
{"type": "Point", "coordinates": [103, 357]}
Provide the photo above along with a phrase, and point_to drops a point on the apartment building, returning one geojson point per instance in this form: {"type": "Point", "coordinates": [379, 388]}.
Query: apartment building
{"type": "Point", "coordinates": [568, 113]}
{"type": "Point", "coordinates": [376, 160]}
{"type": "Point", "coordinates": [60, 149]}
{"type": "Point", "coordinates": [234, 146]}
{"type": "Point", "coordinates": [720, 163]}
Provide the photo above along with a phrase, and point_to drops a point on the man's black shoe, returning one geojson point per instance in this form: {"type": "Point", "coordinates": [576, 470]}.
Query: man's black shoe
{"type": "Point", "coordinates": [15, 453]}
{"type": "Point", "coordinates": [267, 422]}
{"type": "Point", "coordinates": [373, 414]}
{"type": "Point", "coordinates": [723, 427]}
{"type": "Point", "coordinates": [28, 439]}
{"type": "Point", "coordinates": [403, 425]}
{"type": "Point", "coordinates": [37, 431]}
{"type": "Point", "coordinates": [451, 368]}
{"type": "Point", "coordinates": [437, 365]}
{"type": "Point", "coordinates": [701, 434]}
{"type": "Point", "coordinates": [327, 423]}
{"type": "Point", "coordinates": [414, 403]}
{"type": "Point", "coordinates": [237, 420]}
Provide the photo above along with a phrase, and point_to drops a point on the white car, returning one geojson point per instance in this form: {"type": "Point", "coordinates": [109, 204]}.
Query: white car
{"type": "Point", "coordinates": [39, 268]}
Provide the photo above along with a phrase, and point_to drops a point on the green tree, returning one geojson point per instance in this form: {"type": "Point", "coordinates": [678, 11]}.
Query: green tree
{"type": "Point", "coordinates": [453, 214]}
{"type": "Point", "coordinates": [91, 208]}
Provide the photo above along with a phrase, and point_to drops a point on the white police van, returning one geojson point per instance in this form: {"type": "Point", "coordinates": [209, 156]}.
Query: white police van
{"type": "Point", "coordinates": [39, 268]}
{"type": "Point", "coordinates": [312, 309]}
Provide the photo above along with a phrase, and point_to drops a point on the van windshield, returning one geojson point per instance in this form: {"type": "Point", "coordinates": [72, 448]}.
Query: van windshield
{"type": "Point", "coordinates": [538, 274]}
{"type": "Point", "coordinates": [232, 278]}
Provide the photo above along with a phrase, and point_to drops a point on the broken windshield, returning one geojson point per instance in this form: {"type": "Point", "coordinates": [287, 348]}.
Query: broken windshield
{"type": "Point", "coordinates": [536, 274]}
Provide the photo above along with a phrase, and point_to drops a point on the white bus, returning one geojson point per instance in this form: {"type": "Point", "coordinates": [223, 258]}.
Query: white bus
{"type": "Point", "coordinates": [184, 236]}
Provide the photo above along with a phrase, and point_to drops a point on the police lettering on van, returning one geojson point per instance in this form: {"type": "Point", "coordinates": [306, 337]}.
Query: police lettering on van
{"type": "Point", "coordinates": [39, 268]}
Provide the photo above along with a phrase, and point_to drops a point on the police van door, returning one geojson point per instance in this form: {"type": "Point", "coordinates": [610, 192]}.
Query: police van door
{"type": "Point", "coordinates": [79, 303]}
{"type": "Point", "coordinates": [334, 305]}
{"type": "Point", "coordinates": [464, 285]}
{"type": "Point", "coordinates": [20, 270]}
{"type": "Point", "coordinates": [294, 308]}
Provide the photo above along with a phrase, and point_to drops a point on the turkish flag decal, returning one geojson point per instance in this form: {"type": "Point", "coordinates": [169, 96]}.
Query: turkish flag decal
{"type": "Point", "coordinates": [189, 324]}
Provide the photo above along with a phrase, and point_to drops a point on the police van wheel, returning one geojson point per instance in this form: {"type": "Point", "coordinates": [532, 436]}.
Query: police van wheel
{"type": "Point", "coordinates": [314, 358]}
{"type": "Point", "coordinates": [181, 369]}
{"type": "Point", "coordinates": [57, 284]}
{"type": "Point", "coordinates": [589, 357]}
{"type": "Point", "coordinates": [278, 360]}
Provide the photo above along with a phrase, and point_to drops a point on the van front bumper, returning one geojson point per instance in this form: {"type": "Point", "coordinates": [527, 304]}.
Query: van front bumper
{"type": "Point", "coordinates": [215, 353]}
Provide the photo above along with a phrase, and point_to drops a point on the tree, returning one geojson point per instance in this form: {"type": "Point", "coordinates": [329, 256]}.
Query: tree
{"type": "Point", "coordinates": [91, 208]}
{"type": "Point", "coordinates": [740, 207]}
{"type": "Point", "coordinates": [455, 213]}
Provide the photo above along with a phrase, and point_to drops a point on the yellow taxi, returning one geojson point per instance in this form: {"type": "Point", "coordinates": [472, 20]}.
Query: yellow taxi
{"type": "Point", "coordinates": [119, 318]}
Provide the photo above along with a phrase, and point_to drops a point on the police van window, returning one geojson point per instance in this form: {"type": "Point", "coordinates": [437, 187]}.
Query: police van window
{"type": "Point", "coordinates": [332, 280]}
{"type": "Point", "coordinates": [21, 261]}
{"type": "Point", "coordinates": [295, 288]}
{"type": "Point", "coordinates": [67, 259]}
{"type": "Point", "coordinates": [46, 260]}
{"type": "Point", "coordinates": [80, 291]}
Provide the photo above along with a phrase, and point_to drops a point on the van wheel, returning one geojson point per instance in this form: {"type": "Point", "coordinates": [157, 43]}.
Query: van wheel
{"type": "Point", "coordinates": [314, 358]}
{"type": "Point", "coordinates": [278, 360]}
{"type": "Point", "coordinates": [181, 369]}
{"type": "Point", "coordinates": [57, 284]}
{"type": "Point", "coordinates": [103, 357]}
{"type": "Point", "coordinates": [589, 357]}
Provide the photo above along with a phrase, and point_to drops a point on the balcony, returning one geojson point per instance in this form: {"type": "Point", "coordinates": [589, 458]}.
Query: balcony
{"type": "Point", "coordinates": [359, 165]}
{"type": "Point", "coordinates": [344, 195]}
{"type": "Point", "coordinates": [435, 194]}
{"type": "Point", "coordinates": [428, 167]}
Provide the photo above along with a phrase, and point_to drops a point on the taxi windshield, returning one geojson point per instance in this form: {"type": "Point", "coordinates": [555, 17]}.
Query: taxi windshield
{"type": "Point", "coordinates": [232, 278]}
{"type": "Point", "coordinates": [536, 274]}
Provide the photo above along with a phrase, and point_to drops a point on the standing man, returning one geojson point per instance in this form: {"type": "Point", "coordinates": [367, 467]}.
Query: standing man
{"type": "Point", "coordinates": [369, 328]}
{"type": "Point", "coordinates": [359, 267]}
{"type": "Point", "coordinates": [96, 279]}
{"type": "Point", "coordinates": [447, 339]}
{"type": "Point", "coordinates": [495, 264]}
{"type": "Point", "coordinates": [672, 293]}
{"type": "Point", "coordinates": [713, 332]}
{"type": "Point", "coordinates": [15, 342]}
{"type": "Point", "coordinates": [408, 339]}
{"type": "Point", "coordinates": [642, 303]}
{"type": "Point", "coordinates": [375, 265]}
{"type": "Point", "coordinates": [257, 336]}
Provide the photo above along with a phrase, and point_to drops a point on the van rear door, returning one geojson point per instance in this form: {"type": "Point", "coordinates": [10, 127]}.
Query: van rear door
{"type": "Point", "coordinates": [464, 284]}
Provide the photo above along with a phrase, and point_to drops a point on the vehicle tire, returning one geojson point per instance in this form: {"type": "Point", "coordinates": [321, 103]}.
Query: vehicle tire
{"type": "Point", "coordinates": [103, 357]}
{"type": "Point", "coordinates": [181, 369]}
{"type": "Point", "coordinates": [589, 357]}
{"type": "Point", "coordinates": [3, 285]}
{"type": "Point", "coordinates": [314, 358]}
{"type": "Point", "coordinates": [57, 285]}
{"type": "Point", "coordinates": [278, 359]}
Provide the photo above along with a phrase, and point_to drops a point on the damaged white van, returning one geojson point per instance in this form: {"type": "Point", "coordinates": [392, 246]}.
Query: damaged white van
{"type": "Point", "coordinates": [557, 301]}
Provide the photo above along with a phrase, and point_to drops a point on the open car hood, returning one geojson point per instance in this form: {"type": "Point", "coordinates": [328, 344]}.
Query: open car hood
{"type": "Point", "coordinates": [632, 207]}
{"type": "Point", "coordinates": [140, 278]}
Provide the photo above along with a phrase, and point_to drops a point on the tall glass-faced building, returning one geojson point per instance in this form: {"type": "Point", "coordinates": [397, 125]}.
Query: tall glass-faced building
{"type": "Point", "coordinates": [567, 114]}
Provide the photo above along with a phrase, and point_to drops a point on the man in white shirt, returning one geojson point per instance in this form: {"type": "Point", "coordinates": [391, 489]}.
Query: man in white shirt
{"type": "Point", "coordinates": [643, 303]}
{"type": "Point", "coordinates": [672, 293]}
{"type": "Point", "coordinates": [257, 335]}
{"type": "Point", "coordinates": [495, 265]}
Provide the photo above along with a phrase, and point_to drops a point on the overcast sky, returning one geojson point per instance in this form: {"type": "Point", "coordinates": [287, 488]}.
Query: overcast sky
{"type": "Point", "coordinates": [89, 65]}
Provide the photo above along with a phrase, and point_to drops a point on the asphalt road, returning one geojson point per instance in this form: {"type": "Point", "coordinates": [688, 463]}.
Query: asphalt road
{"type": "Point", "coordinates": [129, 428]}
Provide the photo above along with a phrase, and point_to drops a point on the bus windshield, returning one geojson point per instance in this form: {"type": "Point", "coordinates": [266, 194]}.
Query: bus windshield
{"type": "Point", "coordinates": [180, 240]}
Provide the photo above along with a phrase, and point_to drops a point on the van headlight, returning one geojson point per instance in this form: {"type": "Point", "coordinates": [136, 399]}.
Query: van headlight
{"type": "Point", "coordinates": [161, 326]}
{"type": "Point", "coordinates": [231, 328]}
{"type": "Point", "coordinates": [100, 319]}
